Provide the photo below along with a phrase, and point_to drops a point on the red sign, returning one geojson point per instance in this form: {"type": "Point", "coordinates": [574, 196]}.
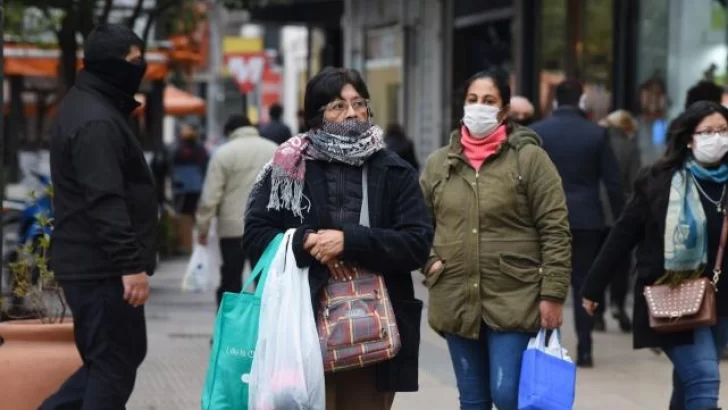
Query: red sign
{"type": "Point", "coordinates": [246, 69]}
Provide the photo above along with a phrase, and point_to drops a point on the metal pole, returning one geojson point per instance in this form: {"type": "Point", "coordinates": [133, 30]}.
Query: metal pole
{"type": "Point", "coordinates": [2, 140]}
{"type": "Point", "coordinates": [309, 52]}
{"type": "Point", "coordinates": [213, 81]}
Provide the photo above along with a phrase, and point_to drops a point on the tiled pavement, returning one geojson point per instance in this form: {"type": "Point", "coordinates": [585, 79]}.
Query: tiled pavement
{"type": "Point", "coordinates": [180, 325]}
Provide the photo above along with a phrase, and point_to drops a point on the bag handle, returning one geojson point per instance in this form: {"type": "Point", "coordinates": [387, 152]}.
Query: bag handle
{"type": "Point", "coordinates": [364, 214]}
{"type": "Point", "coordinates": [554, 340]}
{"type": "Point", "coordinates": [261, 268]}
{"type": "Point", "coordinates": [718, 268]}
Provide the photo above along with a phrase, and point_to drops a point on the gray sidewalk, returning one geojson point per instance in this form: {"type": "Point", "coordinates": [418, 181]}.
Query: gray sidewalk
{"type": "Point", "coordinates": [180, 326]}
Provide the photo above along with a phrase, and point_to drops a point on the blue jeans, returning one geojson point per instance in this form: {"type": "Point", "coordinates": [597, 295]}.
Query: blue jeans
{"type": "Point", "coordinates": [488, 370]}
{"type": "Point", "coordinates": [696, 375]}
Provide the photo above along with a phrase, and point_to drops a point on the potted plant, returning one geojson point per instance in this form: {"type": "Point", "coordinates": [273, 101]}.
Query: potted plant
{"type": "Point", "coordinates": [37, 349]}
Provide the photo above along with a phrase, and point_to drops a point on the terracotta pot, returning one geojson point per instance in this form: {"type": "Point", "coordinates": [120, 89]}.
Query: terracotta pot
{"type": "Point", "coordinates": [35, 360]}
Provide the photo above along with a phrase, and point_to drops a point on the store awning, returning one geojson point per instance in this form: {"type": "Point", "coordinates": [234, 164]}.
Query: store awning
{"type": "Point", "coordinates": [38, 62]}
{"type": "Point", "coordinates": [178, 103]}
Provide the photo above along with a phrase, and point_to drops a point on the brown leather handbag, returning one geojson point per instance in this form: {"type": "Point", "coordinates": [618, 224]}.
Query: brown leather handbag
{"type": "Point", "coordinates": [356, 322]}
{"type": "Point", "coordinates": [690, 304]}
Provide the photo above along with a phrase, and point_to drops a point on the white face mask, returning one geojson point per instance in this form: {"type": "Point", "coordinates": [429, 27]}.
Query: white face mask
{"type": "Point", "coordinates": [710, 148]}
{"type": "Point", "coordinates": [481, 119]}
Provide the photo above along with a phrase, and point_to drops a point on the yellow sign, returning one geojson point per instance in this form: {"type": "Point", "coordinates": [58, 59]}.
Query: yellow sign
{"type": "Point", "coordinates": [240, 45]}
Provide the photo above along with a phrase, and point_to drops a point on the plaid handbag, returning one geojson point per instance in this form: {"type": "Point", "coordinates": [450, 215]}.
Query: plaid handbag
{"type": "Point", "coordinates": [356, 322]}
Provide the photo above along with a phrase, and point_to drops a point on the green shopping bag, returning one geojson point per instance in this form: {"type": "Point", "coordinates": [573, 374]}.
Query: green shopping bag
{"type": "Point", "coordinates": [234, 339]}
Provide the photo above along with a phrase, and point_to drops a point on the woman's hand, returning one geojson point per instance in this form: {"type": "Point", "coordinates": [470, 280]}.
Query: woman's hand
{"type": "Point", "coordinates": [327, 245]}
{"type": "Point", "coordinates": [436, 266]}
{"type": "Point", "coordinates": [552, 314]}
{"type": "Point", "coordinates": [340, 271]}
{"type": "Point", "coordinates": [589, 305]}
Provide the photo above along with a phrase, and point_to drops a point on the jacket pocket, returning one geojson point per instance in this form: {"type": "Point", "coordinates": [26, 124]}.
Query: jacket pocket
{"type": "Point", "coordinates": [432, 278]}
{"type": "Point", "coordinates": [521, 268]}
{"type": "Point", "coordinates": [449, 254]}
{"type": "Point", "coordinates": [512, 294]}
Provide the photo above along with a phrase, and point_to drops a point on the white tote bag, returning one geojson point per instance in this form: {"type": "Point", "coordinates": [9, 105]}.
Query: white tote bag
{"type": "Point", "coordinates": [287, 371]}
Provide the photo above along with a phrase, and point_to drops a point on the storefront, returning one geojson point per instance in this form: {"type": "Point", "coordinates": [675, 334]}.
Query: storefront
{"type": "Point", "coordinates": [680, 44]}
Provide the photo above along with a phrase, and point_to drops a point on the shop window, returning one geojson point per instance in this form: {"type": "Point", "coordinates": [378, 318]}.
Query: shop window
{"type": "Point", "coordinates": [383, 73]}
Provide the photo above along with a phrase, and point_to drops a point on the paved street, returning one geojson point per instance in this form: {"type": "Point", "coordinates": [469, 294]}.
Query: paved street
{"type": "Point", "coordinates": [180, 328]}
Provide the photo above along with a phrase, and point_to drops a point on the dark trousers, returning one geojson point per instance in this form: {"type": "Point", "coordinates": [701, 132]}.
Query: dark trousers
{"type": "Point", "coordinates": [111, 337]}
{"type": "Point", "coordinates": [619, 285]}
{"type": "Point", "coordinates": [233, 263]}
{"type": "Point", "coordinates": [585, 248]}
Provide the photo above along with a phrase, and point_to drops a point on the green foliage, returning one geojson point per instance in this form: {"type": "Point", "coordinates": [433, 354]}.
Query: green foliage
{"type": "Point", "coordinates": [33, 280]}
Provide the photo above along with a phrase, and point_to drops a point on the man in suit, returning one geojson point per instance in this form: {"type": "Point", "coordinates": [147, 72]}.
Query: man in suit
{"type": "Point", "coordinates": [582, 154]}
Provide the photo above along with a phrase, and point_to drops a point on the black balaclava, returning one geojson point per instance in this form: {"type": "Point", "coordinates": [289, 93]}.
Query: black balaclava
{"type": "Point", "coordinates": [104, 57]}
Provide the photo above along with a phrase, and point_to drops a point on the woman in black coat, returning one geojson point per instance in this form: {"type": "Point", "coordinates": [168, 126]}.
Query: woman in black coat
{"type": "Point", "coordinates": [314, 184]}
{"type": "Point", "coordinates": [678, 202]}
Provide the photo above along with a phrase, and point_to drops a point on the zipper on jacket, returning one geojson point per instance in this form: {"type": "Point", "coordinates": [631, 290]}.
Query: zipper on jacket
{"type": "Point", "coordinates": [340, 182]}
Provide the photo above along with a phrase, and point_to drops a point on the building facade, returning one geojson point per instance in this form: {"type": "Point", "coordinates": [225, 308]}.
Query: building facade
{"type": "Point", "coordinates": [401, 47]}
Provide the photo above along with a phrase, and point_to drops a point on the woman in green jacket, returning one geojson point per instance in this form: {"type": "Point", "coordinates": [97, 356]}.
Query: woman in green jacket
{"type": "Point", "coordinates": [501, 260]}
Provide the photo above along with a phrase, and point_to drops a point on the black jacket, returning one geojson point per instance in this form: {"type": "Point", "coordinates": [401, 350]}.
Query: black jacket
{"type": "Point", "coordinates": [104, 193]}
{"type": "Point", "coordinates": [404, 148]}
{"type": "Point", "coordinates": [344, 189]}
{"type": "Point", "coordinates": [582, 154]}
{"type": "Point", "coordinates": [642, 224]}
{"type": "Point", "coordinates": [276, 131]}
{"type": "Point", "coordinates": [397, 243]}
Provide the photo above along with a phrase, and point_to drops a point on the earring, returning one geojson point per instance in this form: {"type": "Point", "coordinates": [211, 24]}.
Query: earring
{"type": "Point", "coordinates": [690, 146]}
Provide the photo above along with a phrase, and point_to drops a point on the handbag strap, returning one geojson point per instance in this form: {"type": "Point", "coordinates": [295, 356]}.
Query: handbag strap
{"type": "Point", "coordinates": [364, 215]}
{"type": "Point", "coordinates": [718, 268]}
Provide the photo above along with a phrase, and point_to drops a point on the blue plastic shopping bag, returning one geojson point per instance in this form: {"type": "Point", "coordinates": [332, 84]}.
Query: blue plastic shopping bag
{"type": "Point", "coordinates": [234, 340]}
{"type": "Point", "coordinates": [548, 377]}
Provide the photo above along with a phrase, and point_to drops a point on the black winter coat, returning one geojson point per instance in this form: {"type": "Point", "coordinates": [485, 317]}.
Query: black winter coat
{"type": "Point", "coordinates": [397, 243]}
{"type": "Point", "coordinates": [642, 224]}
{"type": "Point", "coordinates": [104, 192]}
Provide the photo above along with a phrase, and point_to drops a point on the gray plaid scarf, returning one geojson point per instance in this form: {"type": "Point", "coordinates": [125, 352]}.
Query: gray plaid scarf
{"type": "Point", "coordinates": [349, 142]}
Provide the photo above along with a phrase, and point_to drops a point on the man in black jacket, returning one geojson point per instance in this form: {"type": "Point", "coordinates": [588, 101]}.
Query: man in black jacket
{"type": "Point", "coordinates": [581, 152]}
{"type": "Point", "coordinates": [276, 130]}
{"type": "Point", "coordinates": [103, 245]}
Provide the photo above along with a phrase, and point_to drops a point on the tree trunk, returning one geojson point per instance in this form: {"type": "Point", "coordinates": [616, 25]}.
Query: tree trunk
{"type": "Point", "coordinates": [69, 47]}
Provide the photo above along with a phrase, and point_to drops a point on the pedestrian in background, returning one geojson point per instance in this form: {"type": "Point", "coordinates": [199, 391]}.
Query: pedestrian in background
{"type": "Point", "coordinates": [684, 190]}
{"type": "Point", "coordinates": [501, 258]}
{"type": "Point", "coordinates": [229, 180]}
{"type": "Point", "coordinates": [397, 141]}
{"type": "Point", "coordinates": [104, 241]}
{"type": "Point", "coordinates": [622, 134]}
{"type": "Point", "coordinates": [583, 156]}
{"type": "Point", "coordinates": [275, 130]}
{"type": "Point", "coordinates": [189, 164]}
{"type": "Point", "coordinates": [521, 111]}
{"type": "Point", "coordinates": [314, 184]}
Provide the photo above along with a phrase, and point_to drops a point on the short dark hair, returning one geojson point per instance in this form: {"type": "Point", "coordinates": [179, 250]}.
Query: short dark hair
{"type": "Point", "coordinates": [325, 87]}
{"type": "Point", "coordinates": [234, 122]}
{"type": "Point", "coordinates": [569, 92]}
{"type": "Point", "coordinates": [111, 41]}
{"type": "Point", "coordinates": [275, 111]}
{"type": "Point", "coordinates": [704, 91]}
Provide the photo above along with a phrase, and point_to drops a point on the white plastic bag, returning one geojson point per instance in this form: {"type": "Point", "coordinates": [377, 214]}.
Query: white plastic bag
{"type": "Point", "coordinates": [551, 347]}
{"type": "Point", "coordinates": [214, 257]}
{"type": "Point", "coordinates": [287, 371]}
{"type": "Point", "coordinates": [197, 276]}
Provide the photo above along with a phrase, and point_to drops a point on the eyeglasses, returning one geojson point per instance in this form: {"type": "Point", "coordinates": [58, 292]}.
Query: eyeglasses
{"type": "Point", "coordinates": [340, 107]}
{"type": "Point", "coordinates": [709, 132]}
